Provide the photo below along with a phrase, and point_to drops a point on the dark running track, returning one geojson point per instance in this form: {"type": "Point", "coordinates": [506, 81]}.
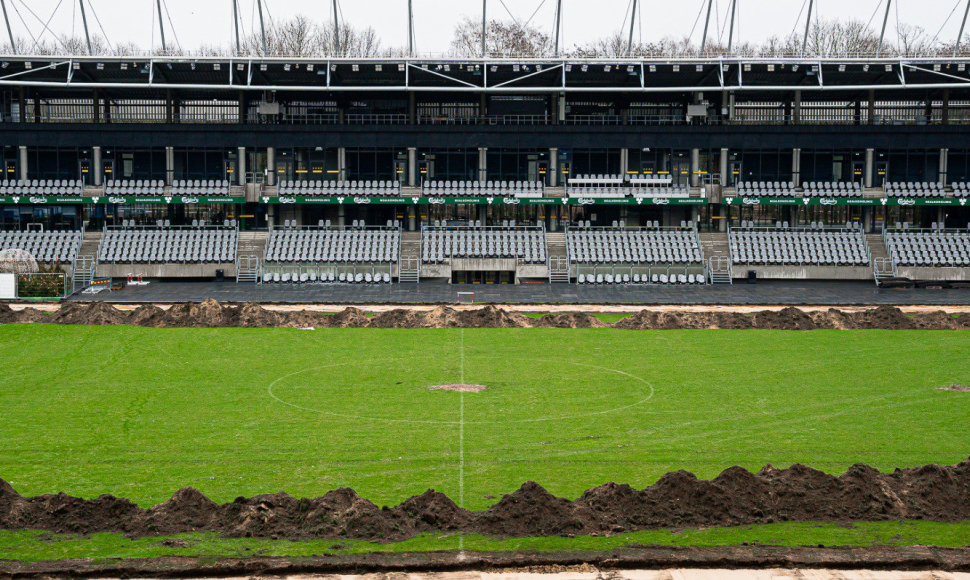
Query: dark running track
{"type": "Point", "coordinates": [763, 293]}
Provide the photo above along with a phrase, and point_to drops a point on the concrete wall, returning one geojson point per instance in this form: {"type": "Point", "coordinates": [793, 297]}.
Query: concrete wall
{"type": "Point", "coordinates": [805, 272]}
{"type": "Point", "coordinates": [941, 274]}
{"type": "Point", "coordinates": [165, 270]}
{"type": "Point", "coordinates": [483, 264]}
{"type": "Point", "coordinates": [436, 271]}
{"type": "Point", "coordinates": [532, 271]}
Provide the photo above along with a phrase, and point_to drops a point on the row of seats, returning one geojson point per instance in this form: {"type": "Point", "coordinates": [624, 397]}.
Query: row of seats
{"type": "Point", "coordinates": [135, 187]}
{"type": "Point", "coordinates": [636, 192]}
{"type": "Point", "coordinates": [167, 223]}
{"type": "Point", "coordinates": [44, 187]}
{"type": "Point", "coordinates": [325, 278]}
{"type": "Point", "coordinates": [766, 188]}
{"type": "Point", "coordinates": [780, 225]}
{"type": "Point", "coordinates": [641, 279]}
{"type": "Point", "coordinates": [206, 187]}
{"type": "Point", "coordinates": [440, 245]}
{"type": "Point", "coordinates": [633, 246]}
{"type": "Point", "coordinates": [330, 188]}
{"type": "Point", "coordinates": [46, 247]}
{"type": "Point", "coordinates": [189, 246]}
{"type": "Point", "coordinates": [799, 247]}
{"type": "Point", "coordinates": [933, 248]}
{"type": "Point", "coordinates": [519, 189]}
{"type": "Point", "coordinates": [339, 246]}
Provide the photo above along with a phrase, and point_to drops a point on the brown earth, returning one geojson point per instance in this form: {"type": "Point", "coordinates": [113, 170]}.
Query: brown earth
{"type": "Point", "coordinates": [212, 314]}
{"type": "Point", "coordinates": [956, 388]}
{"type": "Point", "coordinates": [678, 499]}
{"type": "Point", "coordinates": [460, 388]}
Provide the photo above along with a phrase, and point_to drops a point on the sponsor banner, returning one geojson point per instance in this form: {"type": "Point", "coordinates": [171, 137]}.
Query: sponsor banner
{"type": "Point", "coordinates": [348, 200]}
{"type": "Point", "coordinates": [863, 201]}
{"type": "Point", "coordinates": [39, 200]}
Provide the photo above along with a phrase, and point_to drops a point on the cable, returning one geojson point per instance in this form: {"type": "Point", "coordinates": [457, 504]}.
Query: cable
{"type": "Point", "coordinates": [696, 20]}
{"type": "Point", "coordinates": [514, 19]}
{"type": "Point", "coordinates": [945, 22]}
{"type": "Point", "coordinates": [45, 25]}
{"type": "Point", "coordinates": [171, 25]}
{"type": "Point", "coordinates": [798, 18]}
{"type": "Point", "coordinates": [876, 11]}
{"type": "Point", "coordinates": [22, 21]}
{"type": "Point", "coordinates": [98, 20]}
{"type": "Point", "coordinates": [151, 47]}
{"type": "Point", "coordinates": [529, 21]}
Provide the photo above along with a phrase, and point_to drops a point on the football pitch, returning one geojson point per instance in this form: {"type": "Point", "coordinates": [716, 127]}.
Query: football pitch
{"type": "Point", "coordinates": [140, 413]}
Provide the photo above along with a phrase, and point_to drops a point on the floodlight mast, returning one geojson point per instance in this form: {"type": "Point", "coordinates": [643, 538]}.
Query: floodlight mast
{"type": "Point", "coordinates": [882, 34]}
{"type": "Point", "coordinates": [262, 27]}
{"type": "Point", "coordinates": [13, 46]}
{"type": "Point", "coordinates": [559, 24]}
{"type": "Point", "coordinates": [336, 28]}
{"type": "Point", "coordinates": [956, 47]}
{"type": "Point", "coordinates": [633, 19]}
{"type": "Point", "coordinates": [730, 47]}
{"type": "Point", "coordinates": [161, 25]}
{"type": "Point", "coordinates": [808, 24]}
{"type": "Point", "coordinates": [235, 20]}
{"type": "Point", "coordinates": [84, 19]}
{"type": "Point", "coordinates": [484, 24]}
{"type": "Point", "coordinates": [707, 23]}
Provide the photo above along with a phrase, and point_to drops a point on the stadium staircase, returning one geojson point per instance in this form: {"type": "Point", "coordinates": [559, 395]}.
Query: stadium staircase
{"type": "Point", "coordinates": [558, 256]}
{"type": "Point", "coordinates": [717, 253]}
{"type": "Point", "coordinates": [250, 250]}
{"type": "Point", "coordinates": [86, 261]}
{"type": "Point", "coordinates": [883, 269]}
{"type": "Point", "coordinates": [409, 269]}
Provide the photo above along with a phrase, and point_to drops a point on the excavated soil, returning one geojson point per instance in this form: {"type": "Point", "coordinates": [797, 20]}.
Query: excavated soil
{"type": "Point", "coordinates": [212, 314]}
{"type": "Point", "coordinates": [956, 388]}
{"type": "Point", "coordinates": [678, 499]}
{"type": "Point", "coordinates": [460, 388]}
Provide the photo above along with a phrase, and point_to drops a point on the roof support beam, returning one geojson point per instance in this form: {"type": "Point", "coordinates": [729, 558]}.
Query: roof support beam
{"type": "Point", "coordinates": [633, 19]}
{"type": "Point", "coordinates": [161, 26]}
{"type": "Point", "coordinates": [84, 19]}
{"type": "Point", "coordinates": [882, 34]}
{"type": "Point", "coordinates": [707, 24]}
{"type": "Point", "coordinates": [808, 25]}
{"type": "Point", "coordinates": [956, 47]}
{"type": "Point", "coordinates": [6, 20]}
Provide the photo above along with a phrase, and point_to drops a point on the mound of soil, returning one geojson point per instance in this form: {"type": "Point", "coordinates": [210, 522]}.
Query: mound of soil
{"type": "Point", "coordinates": [492, 317]}
{"type": "Point", "coordinates": [443, 317]}
{"type": "Point", "coordinates": [398, 318]}
{"type": "Point", "coordinates": [735, 497]}
{"type": "Point", "coordinates": [348, 318]}
{"type": "Point", "coordinates": [570, 320]}
{"type": "Point", "coordinates": [93, 314]}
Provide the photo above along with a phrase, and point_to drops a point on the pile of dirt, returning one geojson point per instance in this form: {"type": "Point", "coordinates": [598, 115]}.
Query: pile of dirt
{"type": "Point", "coordinates": [735, 497]}
{"type": "Point", "coordinates": [212, 314]}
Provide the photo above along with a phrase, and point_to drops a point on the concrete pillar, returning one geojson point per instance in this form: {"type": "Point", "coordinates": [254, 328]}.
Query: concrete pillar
{"type": "Point", "coordinates": [482, 164]}
{"type": "Point", "coordinates": [241, 166]}
{"type": "Point", "coordinates": [944, 166]}
{"type": "Point", "coordinates": [731, 107]}
{"type": "Point", "coordinates": [725, 178]}
{"type": "Point", "coordinates": [97, 172]}
{"type": "Point", "coordinates": [940, 215]}
{"type": "Point", "coordinates": [412, 166]}
{"type": "Point", "coordinates": [695, 166]}
{"type": "Point", "coordinates": [872, 107]}
{"type": "Point", "coordinates": [725, 212]}
{"type": "Point", "coordinates": [341, 216]}
{"type": "Point", "coordinates": [169, 165]}
{"type": "Point", "coordinates": [870, 167]}
{"type": "Point", "coordinates": [23, 163]}
{"type": "Point", "coordinates": [945, 108]}
{"type": "Point", "coordinates": [553, 167]}
{"type": "Point", "coordinates": [867, 219]}
{"type": "Point", "coordinates": [412, 108]}
{"type": "Point", "coordinates": [483, 106]}
{"type": "Point", "coordinates": [483, 214]}
{"type": "Point", "coordinates": [271, 166]}
{"type": "Point", "coordinates": [412, 218]}
{"type": "Point", "coordinates": [796, 110]}
{"type": "Point", "coordinates": [271, 216]}
{"type": "Point", "coordinates": [796, 167]}
{"type": "Point", "coordinates": [624, 161]}
{"type": "Point", "coordinates": [341, 164]}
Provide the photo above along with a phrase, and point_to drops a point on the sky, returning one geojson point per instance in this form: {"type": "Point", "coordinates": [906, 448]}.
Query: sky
{"type": "Point", "coordinates": [197, 22]}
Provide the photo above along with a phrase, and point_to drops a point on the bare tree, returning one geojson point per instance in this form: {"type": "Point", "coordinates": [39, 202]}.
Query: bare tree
{"type": "Point", "coordinates": [502, 39]}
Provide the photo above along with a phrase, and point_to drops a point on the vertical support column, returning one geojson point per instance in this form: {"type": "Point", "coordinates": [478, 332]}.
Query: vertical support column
{"type": "Point", "coordinates": [23, 163]}
{"type": "Point", "coordinates": [553, 167]}
{"type": "Point", "coordinates": [731, 106]}
{"type": "Point", "coordinates": [412, 218]}
{"type": "Point", "coordinates": [695, 166]}
{"type": "Point", "coordinates": [170, 107]}
{"type": "Point", "coordinates": [243, 106]}
{"type": "Point", "coordinates": [944, 166]}
{"type": "Point", "coordinates": [867, 219]}
{"type": "Point", "coordinates": [872, 107]}
{"type": "Point", "coordinates": [725, 178]}
{"type": "Point", "coordinates": [412, 166]}
{"type": "Point", "coordinates": [341, 216]}
{"type": "Point", "coordinates": [98, 170]}
{"type": "Point", "coordinates": [271, 166]}
{"type": "Point", "coordinates": [482, 164]}
{"type": "Point", "coordinates": [796, 111]}
{"type": "Point", "coordinates": [169, 165]}
{"type": "Point", "coordinates": [36, 108]}
{"type": "Point", "coordinates": [412, 108]}
{"type": "Point", "coordinates": [22, 98]}
{"type": "Point", "coordinates": [483, 106]}
{"type": "Point", "coordinates": [945, 108]}
{"type": "Point", "coordinates": [624, 162]}
{"type": "Point", "coordinates": [341, 163]}
{"type": "Point", "coordinates": [796, 167]}
{"type": "Point", "coordinates": [241, 166]}
{"type": "Point", "coordinates": [870, 167]}
{"type": "Point", "coordinates": [95, 107]}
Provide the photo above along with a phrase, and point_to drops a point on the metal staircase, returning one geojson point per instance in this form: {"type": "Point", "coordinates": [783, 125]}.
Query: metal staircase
{"type": "Point", "coordinates": [84, 268]}
{"type": "Point", "coordinates": [558, 257]}
{"type": "Point", "coordinates": [250, 248]}
{"type": "Point", "coordinates": [409, 266]}
{"type": "Point", "coordinates": [716, 250]}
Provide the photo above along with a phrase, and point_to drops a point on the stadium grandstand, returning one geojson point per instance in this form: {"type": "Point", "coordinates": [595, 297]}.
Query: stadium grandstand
{"type": "Point", "coordinates": [317, 169]}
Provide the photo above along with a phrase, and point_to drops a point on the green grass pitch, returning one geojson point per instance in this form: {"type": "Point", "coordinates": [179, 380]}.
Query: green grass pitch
{"type": "Point", "coordinates": [140, 413]}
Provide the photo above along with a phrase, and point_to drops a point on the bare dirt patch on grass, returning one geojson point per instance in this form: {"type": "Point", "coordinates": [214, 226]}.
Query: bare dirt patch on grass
{"type": "Point", "coordinates": [460, 388]}
{"type": "Point", "coordinates": [956, 388]}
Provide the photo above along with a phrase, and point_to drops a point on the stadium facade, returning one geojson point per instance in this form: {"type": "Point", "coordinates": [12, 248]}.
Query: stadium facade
{"type": "Point", "coordinates": [708, 144]}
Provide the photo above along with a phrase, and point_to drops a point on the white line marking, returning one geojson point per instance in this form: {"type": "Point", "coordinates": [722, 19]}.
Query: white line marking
{"type": "Point", "coordinates": [461, 440]}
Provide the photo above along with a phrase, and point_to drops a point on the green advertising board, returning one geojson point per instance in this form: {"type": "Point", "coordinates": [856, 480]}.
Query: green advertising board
{"type": "Point", "coordinates": [168, 200]}
{"type": "Point", "coordinates": [861, 201]}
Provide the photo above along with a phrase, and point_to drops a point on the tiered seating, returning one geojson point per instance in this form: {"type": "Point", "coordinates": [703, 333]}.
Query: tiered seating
{"type": "Point", "coordinates": [168, 245]}
{"type": "Point", "coordinates": [800, 246]}
{"type": "Point", "coordinates": [766, 189]}
{"type": "Point", "coordinates": [520, 189]}
{"type": "Point", "coordinates": [135, 188]}
{"type": "Point", "coordinates": [961, 189]}
{"type": "Point", "coordinates": [438, 245]}
{"type": "Point", "coordinates": [340, 188]}
{"type": "Point", "coordinates": [832, 189]}
{"type": "Point", "coordinates": [640, 246]}
{"type": "Point", "coordinates": [42, 187]}
{"type": "Point", "coordinates": [625, 279]}
{"type": "Point", "coordinates": [317, 245]}
{"type": "Point", "coordinates": [45, 247]}
{"type": "Point", "coordinates": [597, 186]}
{"type": "Point", "coordinates": [204, 187]}
{"type": "Point", "coordinates": [914, 189]}
{"type": "Point", "coordinates": [937, 247]}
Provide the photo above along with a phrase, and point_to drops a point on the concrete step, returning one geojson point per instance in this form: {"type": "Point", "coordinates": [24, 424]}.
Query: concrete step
{"type": "Point", "coordinates": [877, 246]}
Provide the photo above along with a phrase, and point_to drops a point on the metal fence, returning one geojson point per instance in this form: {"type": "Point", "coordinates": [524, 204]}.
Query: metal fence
{"type": "Point", "coordinates": [42, 285]}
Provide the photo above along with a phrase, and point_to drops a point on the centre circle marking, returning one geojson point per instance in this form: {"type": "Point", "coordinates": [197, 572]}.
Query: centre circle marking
{"type": "Point", "coordinates": [641, 380]}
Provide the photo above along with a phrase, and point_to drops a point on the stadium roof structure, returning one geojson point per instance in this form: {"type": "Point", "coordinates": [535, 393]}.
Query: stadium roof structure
{"type": "Point", "coordinates": [493, 76]}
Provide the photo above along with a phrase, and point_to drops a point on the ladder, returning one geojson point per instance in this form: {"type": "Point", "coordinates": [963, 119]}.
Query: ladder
{"type": "Point", "coordinates": [720, 270]}
{"type": "Point", "coordinates": [84, 267]}
{"type": "Point", "coordinates": [247, 269]}
{"type": "Point", "coordinates": [558, 270]}
{"type": "Point", "coordinates": [409, 270]}
{"type": "Point", "coordinates": [883, 269]}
